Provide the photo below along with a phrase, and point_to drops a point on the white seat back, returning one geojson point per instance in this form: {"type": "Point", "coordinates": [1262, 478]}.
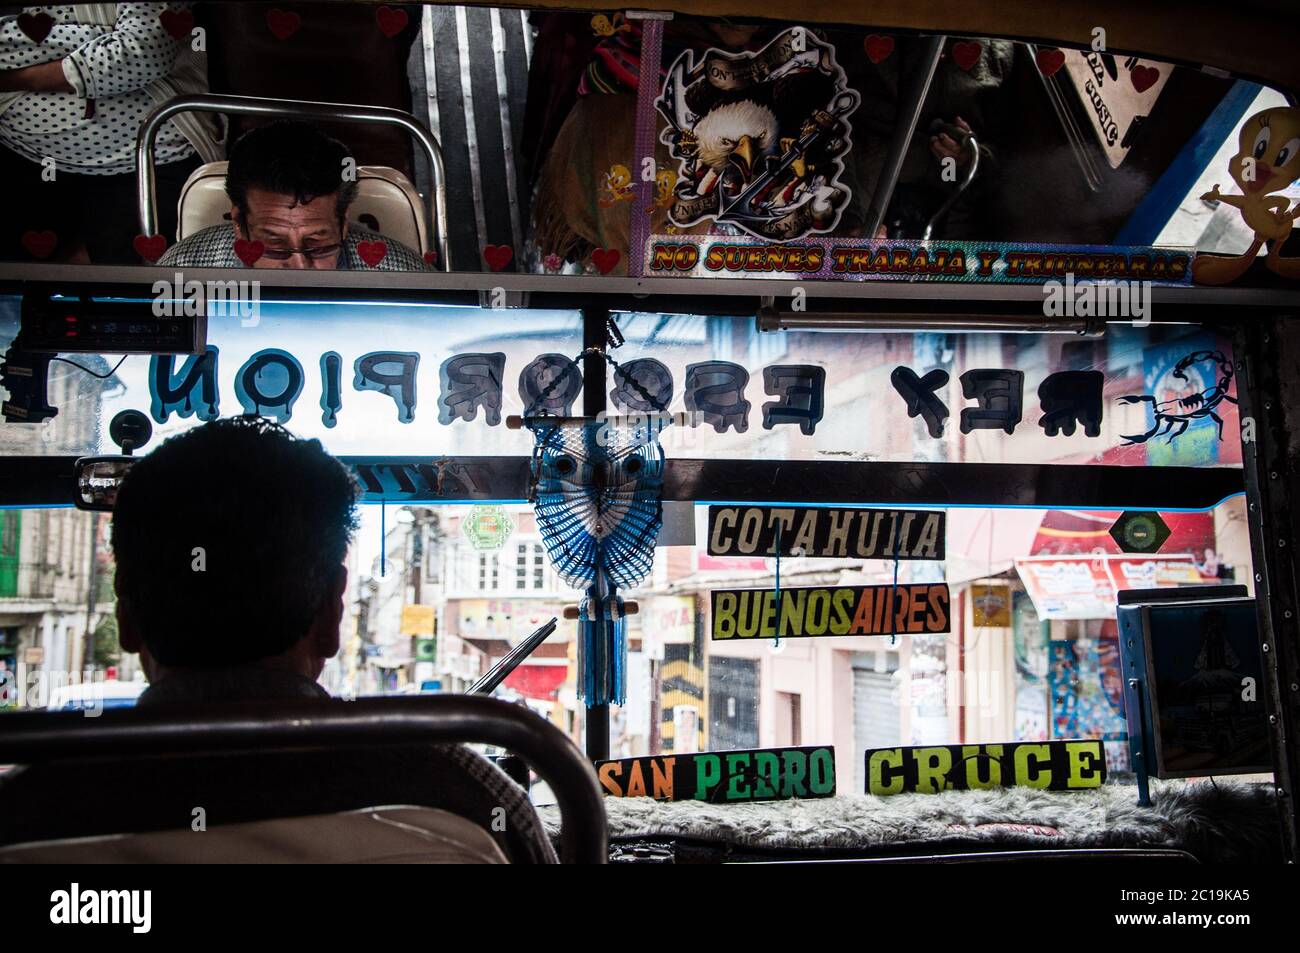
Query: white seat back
{"type": "Point", "coordinates": [376, 835]}
{"type": "Point", "coordinates": [386, 202]}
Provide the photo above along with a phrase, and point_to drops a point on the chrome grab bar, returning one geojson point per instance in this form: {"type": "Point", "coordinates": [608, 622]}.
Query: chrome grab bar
{"type": "Point", "coordinates": [146, 191]}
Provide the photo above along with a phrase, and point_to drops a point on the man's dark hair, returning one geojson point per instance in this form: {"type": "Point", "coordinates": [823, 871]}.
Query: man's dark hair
{"type": "Point", "coordinates": [272, 516]}
{"type": "Point", "coordinates": [289, 157]}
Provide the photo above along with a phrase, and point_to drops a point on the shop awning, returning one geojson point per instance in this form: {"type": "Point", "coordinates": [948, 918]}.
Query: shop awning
{"type": "Point", "coordinates": [987, 542]}
{"type": "Point", "coordinates": [537, 681]}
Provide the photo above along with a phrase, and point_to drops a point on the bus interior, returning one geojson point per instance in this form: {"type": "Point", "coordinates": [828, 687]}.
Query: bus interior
{"type": "Point", "coordinates": [856, 438]}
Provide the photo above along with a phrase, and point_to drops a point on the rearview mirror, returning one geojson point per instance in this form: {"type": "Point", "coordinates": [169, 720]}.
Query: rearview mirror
{"type": "Point", "coordinates": [98, 479]}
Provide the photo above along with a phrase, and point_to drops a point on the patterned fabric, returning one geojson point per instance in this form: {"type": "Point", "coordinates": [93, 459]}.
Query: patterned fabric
{"type": "Point", "coordinates": [214, 247]}
{"type": "Point", "coordinates": [92, 130]}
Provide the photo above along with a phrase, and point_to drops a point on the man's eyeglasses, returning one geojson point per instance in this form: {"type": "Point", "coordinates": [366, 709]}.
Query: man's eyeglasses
{"type": "Point", "coordinates": [315, 252]}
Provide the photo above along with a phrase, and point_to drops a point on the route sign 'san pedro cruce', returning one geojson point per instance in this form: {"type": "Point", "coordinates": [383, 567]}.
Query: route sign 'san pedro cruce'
{"type": "Point", "coordinates": [724, 777]}
{"type": "Point", "coordinates": [1051, 765]}
{"type": "Point", "coordinates": [917, 609]}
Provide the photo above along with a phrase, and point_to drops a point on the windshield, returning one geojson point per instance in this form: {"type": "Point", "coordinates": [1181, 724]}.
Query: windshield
{"type": "Point", "coordinates": [1029, 569]}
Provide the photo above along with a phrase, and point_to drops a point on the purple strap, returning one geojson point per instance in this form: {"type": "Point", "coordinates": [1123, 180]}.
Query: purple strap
{"type": "Point", "coordinates": [647, 125]}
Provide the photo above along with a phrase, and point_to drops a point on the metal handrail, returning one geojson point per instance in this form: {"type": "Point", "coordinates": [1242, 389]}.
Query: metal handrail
{"type": "Point", "coordinates": [973, 145]}
{"type": "Point", "coordinates": [146, 190]}
{"type": "Point", "coordinates": [912, 94]}
{"type": "Point", "coordinates": [37, 737]}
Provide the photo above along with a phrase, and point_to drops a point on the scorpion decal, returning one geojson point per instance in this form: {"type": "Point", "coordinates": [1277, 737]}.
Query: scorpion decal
{"type": "Point", "coordinates": [1174, 416]}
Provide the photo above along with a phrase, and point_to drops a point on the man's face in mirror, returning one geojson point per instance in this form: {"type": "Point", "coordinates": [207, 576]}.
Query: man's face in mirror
{"type": "Point", "coordinates": [293, 234]}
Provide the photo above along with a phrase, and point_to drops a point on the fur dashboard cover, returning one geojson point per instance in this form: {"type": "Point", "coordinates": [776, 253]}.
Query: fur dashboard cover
{"type": "Point", "coordinates": [1217, 822]}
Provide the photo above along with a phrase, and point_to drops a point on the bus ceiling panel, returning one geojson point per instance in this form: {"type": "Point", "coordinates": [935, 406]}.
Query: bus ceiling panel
{"type": "Point", "coordinates": [1252, 38]}
{"type": "Point", "coordinates": [49, 481]}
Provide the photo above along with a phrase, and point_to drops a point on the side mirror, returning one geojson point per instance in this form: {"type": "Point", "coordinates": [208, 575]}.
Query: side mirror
{"type": "Point", "coordinates": [97, 481]}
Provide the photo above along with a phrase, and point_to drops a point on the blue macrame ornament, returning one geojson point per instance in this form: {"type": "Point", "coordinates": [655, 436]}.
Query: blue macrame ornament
{"type": "Point", "coordinates": [596, 495]}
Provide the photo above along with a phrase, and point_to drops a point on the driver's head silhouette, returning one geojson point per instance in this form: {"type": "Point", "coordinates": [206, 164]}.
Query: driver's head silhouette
{"type": "Point", "coordinates": [230, 541]}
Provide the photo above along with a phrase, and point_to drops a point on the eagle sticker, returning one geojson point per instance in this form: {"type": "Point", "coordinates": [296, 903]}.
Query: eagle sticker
{"type": "Point", "coordinates": [759, 137]}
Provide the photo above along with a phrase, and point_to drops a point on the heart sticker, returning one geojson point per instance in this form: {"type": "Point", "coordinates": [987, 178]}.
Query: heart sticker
{"type": "Point", "coordinates": [177, 23]}
{"type": "Point", "coordinates": [498, 256]}
{"type": "Point", "coordinates": [1049, 61]}
{"type": "Point", "coordinates": [878, 47]}
{"type": "Point", "coordinates": [282, 23]}
{"type": "Point", "coordinates": [37, 26]}
{"type": "Point", "coordinates": [1144, 77]}
{"type": "Point", "coordinates": [372, 253]}
{"type": "Point", "coordinates": [605, 259]}
{"type": "Point", "coordinates": [966, 53]}
{"type": "Point", "coordinates": [391, 22]}
{"type": "Point", "coordinates": [248, 252]}
{"type": "Point", "coordinates": [149, 247]}
{"type": "Point", "coordinates": [431, 258]}
{"type": "Point", "coordinates": [40, 244]}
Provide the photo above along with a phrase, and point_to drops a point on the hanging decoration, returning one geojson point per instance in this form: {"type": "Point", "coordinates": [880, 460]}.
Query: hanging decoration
{"type": "Point", "coordinates": [596, 494]}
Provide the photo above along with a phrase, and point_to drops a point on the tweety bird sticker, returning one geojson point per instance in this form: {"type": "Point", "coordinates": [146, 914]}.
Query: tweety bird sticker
{"type": "Point", "coordinates": [616, 186]}
{"type": "Point", "coordinates": [1267, 161]}
{"type": "Point", "coordinates": [665, 182]}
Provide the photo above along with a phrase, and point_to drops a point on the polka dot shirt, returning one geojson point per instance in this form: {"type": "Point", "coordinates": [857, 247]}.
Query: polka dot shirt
{"type": "Point", "coordinates": [92, 130]}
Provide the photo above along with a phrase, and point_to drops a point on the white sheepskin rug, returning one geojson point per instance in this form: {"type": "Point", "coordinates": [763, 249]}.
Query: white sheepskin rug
{"type": "Point", "coordinates": [1223, 821]}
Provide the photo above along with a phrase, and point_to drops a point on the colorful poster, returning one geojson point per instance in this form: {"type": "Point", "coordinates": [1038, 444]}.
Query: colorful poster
{"type": "Point", "coordinates": [1190, 394]}
{"type": "Point", "coordinates": [907, 609]}
{"type": "Point", "coordinates": [758, 137]}
{"type": "Point", "coordinates": [1086, 689]}
{"type": "Point", "coordinates": [991, 606]}
{"type": "Point", "coordinates": [724, 777]}
{"type": "Point", "coordinates": [1084, 587]}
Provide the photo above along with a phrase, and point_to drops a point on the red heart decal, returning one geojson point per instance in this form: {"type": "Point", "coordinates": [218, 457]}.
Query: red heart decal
{"type": "Point", "coordinates": [178, 23]}
{"type": "Point", "coordinates": [40, 244]}
{"type": "Point", "coordinates": [605, 259]}
{"type": "Point", "coordinates": [431, 258]}
{"type": "Point", "coordinates": [498, 256]}
{"type": "Point", "coordinates": [1144, 77]}
{"type": "Point", "coordinates": [878, 47]}
{"type": "Point", "coordinates": [37, 26]}
{"type": "Point", "coordinates": [149, 247]}
{"type": "Point", "coordinates": [372, 253]}
{"type": "Point", "coordinates": [283, 23]}
{"type": "Point", "coordinates": [966, 53]}
{"type": "Point", "coordinates": [391, 22]}
{"type": "Point", "coordinates": [1049, 61]}
{"type": "Point", "coordinates": [248, 252]}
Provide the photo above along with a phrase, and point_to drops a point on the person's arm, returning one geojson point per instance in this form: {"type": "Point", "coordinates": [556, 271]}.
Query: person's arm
{"type": "Point", "coordinates": [136, 52]}
{"type": "Point", "coordinates": [42, 78]}
{"type": "Point", "coordinates": [18, 51]}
